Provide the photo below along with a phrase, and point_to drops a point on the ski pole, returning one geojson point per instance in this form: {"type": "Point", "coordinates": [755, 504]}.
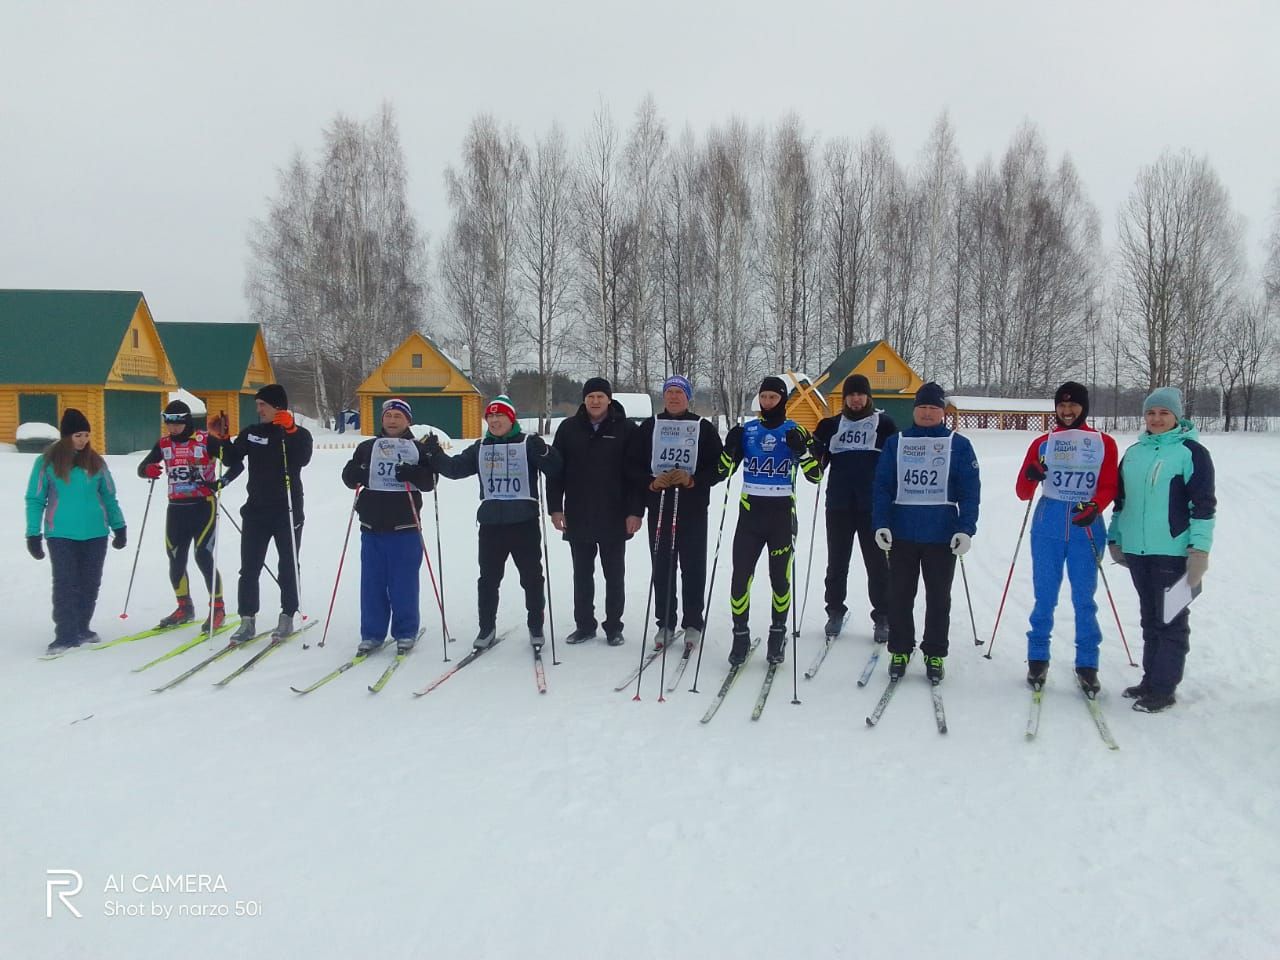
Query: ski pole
{"type": "Point", "coordinates": [435, 500]}
{"type": "Point", "coordinates": [671, 595]}
{"type": "Point", "coordinates": [546, 559]}
{"type": "Point", "coordinates": [342, 559]}
{"type": "Point", "coordinates": [813, 534]}
{"type": "Point", "coordinates": [215, 584]}
{"type": "Point", "coordinates": [968, 599]}
{"type": "Point", "coordinates": [1097, 557]}
{"type": "Point", "coordinates": [791, 566]}
{"type": "Point", "coordinates": [422, 539]}
{"type": "Point", "coordinates": [1009, 579]}
{"type": "Point", "coordinates": [648, 606]}
{"type": "Point", "coordinates": [235, 526]}
{"type": "Point", "coordinates": [293, 531]}
{"type": "Point", "coordinates": [715, 561]}
{"type": "Point", "coordinates": [124, 614]}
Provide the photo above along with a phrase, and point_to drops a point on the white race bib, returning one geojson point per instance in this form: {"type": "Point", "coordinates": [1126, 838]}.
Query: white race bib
{"type": "Point", "coordinates": [1072, 461]}
{"type": "Point", "coordinates": [504, 471]}
{"type": "Point", "coordinates": [387, 452]}
{"type": "Point", "coordinates": [854, 435]}
{"type": "Point", "coordinates": [675, 445]}
{"type": "Point", "coordinates": [924, 465]}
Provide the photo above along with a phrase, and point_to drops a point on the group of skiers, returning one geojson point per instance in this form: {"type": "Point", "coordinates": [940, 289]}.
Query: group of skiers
{"type": "Point", "coordinates": [909, 497]}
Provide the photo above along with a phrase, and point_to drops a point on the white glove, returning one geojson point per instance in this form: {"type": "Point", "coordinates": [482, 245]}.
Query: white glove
{"type": "Point", "coordinates": [960, 544]}
{"type": "Point", "coordinates": [884, 539]}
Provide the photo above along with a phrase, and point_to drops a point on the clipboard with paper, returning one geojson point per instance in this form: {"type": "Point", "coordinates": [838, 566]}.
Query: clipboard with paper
{"type": "Point", "coordinates": [1178, 597]}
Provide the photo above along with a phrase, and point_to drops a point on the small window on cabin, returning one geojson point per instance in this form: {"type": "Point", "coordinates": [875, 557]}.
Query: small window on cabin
{"type": "Point", "coordinates": [417, 361]}
{"type": "Point", "coordinates": [135, 338]}
{"type": "Point", "coordinates": [879, 366]}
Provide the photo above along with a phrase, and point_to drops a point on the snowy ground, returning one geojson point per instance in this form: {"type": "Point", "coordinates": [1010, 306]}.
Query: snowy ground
{"type": "Point", "coordinates": [487, 821]}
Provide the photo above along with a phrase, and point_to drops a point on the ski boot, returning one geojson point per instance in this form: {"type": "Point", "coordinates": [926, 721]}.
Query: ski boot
{"type": "Point", "coordinates": [368, 645]}
{"type": "Point", "coordinates": [581, 635]}
{"type": "Point", "coordinates": [185, 613]}
{"type": "Point", "coordinates": [934, 669]}
{"type": "Point", "coordinates": [835, 623]}
{"type": "Point", "coordinates": [741, 644]}
{"type": "Point", "coordinates": [615, 639]}
{"type": "Point", "coordinates": [777, 643]}
{"type": "Point", "coordinates": [245, 631]}
{"type": "Point", "coordinates": [1088, 679]}
{"type": "Point", "coordinates": [535, 637]}
{"type": "Point", "coordinates": [485, 639]}
{"type": "Point", "coordinates": [405, 644]}
{"type": "Point", "coordinates": [898, 665]}
{"type": "Point", "coordinates": [216, 618]}
{"type": "Point", "coordinates": [1154, 703]}
{"type": "Point", "coordinates": [692, 637]}
{"type": "Point", "coordinates": [284, 627]}
{"type": "Point", "coordinates": [880, 633]}
{"type": "Point", "coordinates": [1037, 672]}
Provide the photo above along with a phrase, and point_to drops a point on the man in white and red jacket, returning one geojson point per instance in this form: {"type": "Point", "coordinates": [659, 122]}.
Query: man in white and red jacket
{"type": "Point", "coordinates": [1074, 466]}
{"type": "Point", "coordinates": [190, 458]}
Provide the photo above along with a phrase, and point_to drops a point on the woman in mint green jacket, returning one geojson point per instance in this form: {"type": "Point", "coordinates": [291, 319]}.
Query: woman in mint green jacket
{"type": "Point", "coordinates": [1162, 528]}
{"type": "Point", "coordinates": [72, 494]}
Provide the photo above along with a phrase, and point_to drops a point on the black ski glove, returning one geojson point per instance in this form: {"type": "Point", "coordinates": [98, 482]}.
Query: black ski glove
{"type": "Point", "coordinates": [35, 547]}
{"type": "Point", "coordinates": [118, 541]}
{"type": "Point", "coordinates": [1035, 472]}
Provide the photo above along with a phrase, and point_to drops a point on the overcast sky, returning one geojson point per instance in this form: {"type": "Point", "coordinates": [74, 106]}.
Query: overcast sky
{"type": "Point", "coordinates": [137, 140]}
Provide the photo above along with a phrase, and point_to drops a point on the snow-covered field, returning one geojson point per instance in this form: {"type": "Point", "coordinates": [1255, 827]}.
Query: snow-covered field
{"type": "Point", "coordinates": [487, 821]}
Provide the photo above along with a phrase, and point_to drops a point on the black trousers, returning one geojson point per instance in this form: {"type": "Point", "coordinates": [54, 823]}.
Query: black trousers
{"type": "Point", "coordinates": [764, 525]}
{"type": "Point", "coordinates": [907, 563]}
{"type": "Point", "coordinates": [1164, 645]}
{"type": "Point", "coordinates": [522, 542]}
{"type": "Point", "coordinates": [613, 566]}
{"type": "Point", "coordinates": [77, 575]}
{"type": "Point", "coordinates": [187, 523]}
{"type": "Point", "coordinates": [690, 560]}
{"type": "Point", "coordinates": [842, 527]}
{"type": "Point", "coordinates": [260, 529]}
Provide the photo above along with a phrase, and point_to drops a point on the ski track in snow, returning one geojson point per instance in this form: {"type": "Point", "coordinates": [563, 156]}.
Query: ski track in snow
{"type": "Point", "coordinates": [486, 821]}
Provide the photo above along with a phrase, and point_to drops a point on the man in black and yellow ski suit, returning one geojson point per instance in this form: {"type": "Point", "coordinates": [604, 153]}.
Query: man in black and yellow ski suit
{"type": "Point", "coordinates": [771, 449]}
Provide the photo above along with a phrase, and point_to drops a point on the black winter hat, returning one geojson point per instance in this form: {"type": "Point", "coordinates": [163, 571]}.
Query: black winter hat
{"type": "Point", "coordinates": [775, 384]}
{"type": "Point", "coordinates": [931, 395]}
{"type": "Point", "coordinates": [175, 409]}
{"type": "Point", "coordinates": [597, 385]}
{"type": "Point", "coordinates": [1072, 392]}
{"type": "Point", "coordinates": [73, 421]}
{"type": "Point", "coordinates": [856, 383]}
{"type": "Point", "coordinates": [273, 395]}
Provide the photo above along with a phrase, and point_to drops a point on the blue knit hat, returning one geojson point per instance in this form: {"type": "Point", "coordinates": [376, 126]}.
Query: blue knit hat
{"type": "Point", "coordinates": [395, 403]}
{"type": "Point", "coordinates": [681, 382]}
{"type": "Point", "coordinates": [1168, 397]}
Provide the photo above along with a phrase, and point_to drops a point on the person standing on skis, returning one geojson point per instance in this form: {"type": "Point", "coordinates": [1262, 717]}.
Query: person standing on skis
{"type": "Point", "coordinates": [273, 495]}
{"type": "Point", "coordinates": [772, 449]}
{"type": "Point", "coordinates": [189, 458]}
{"type": "Point", "coordinates": [390, 470]}
{"type": "Point", "coordinates": [1074, 466]}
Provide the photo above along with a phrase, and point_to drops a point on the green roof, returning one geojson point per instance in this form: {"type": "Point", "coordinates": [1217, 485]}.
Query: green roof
{"type": "Point", "coordinates": [62, 336]}
{"type": "Point", "coordinates": [846, 363]}
{"type": "Point", "coordinates": [209, 356]}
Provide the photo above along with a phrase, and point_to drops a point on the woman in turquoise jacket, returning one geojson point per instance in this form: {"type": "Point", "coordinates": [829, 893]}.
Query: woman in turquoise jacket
{"type": "Point", "coordinates": [1162, 528]}
{"type": "Point", "coordinates": [72, 493]}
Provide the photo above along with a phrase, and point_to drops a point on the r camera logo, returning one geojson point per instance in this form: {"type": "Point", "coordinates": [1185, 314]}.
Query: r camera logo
{"type": "Point", "coordinates": [55, 882]}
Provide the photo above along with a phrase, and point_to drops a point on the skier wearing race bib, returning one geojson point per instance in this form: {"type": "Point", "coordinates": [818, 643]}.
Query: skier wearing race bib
{"type": "Point", "coordinates": [925, 510]}
{"type": "Point", "coordinates": [678, 452]}
{"type": "Point", "coordinates": [771, 449]}
{"type": "Point", "coordinates": [848, 445]}
{"type": "Point", "coordinates": [1074, 466]}
{"type": "Point", "coordinates": [390, 470]}
{"type": "Point", "coordinates": [594, 507]}
{"type": "Point", "coordinates": [506, 462]}
{"type": "Point", "coordinates": [190, 458]}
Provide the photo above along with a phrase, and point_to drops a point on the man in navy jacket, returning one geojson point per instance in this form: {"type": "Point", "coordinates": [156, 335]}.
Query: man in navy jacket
{"type": "Point", "coordinates": [925, 510]}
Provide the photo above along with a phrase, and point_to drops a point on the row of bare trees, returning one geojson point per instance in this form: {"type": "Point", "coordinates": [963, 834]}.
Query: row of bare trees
{"type": "Point", "coordinates": [739, 251]}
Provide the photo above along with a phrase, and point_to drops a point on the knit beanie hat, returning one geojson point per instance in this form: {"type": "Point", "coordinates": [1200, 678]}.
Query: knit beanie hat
{"type": "Point", "coordinates": [678, 381]}
{"type": "Point", "coordinates": [777, 385]}
{"type": "Point", "coordinates": [395, 403]}
{"type": "Point", "coordinates": [597, 385]}
{"type": "Point", "coordinates": [273, 395]}
{"type": "Point", "coordinates": [502, 404]}
{"type": "Point", "coordinates": [931, 395]}
{"type": "Point", "coordinates": [73, 421]}
{"type": "Point", "coordinates": [1168, 397]}
{"type": "Point", "coordinates": [1072, 392]}
{"type": "Point", "coordinates": [856, 383]}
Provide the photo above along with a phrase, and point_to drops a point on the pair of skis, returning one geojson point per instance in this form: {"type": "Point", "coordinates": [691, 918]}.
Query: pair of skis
{"type": "Point", "coordinates": [539, 671]}
{"type": "Point", "coordinates": [867, 670]}
{"type": "Point", "coordinates": [1095, 711]}
{"type": "Point", "coordinates": [359, 658]}
{"type": "Point", "coordinates": [939, 711]}
{"type": "Point", "coordinates": [131, 638]}
{"type": "Point", "coordinates": [653, 655]}
{"type": "Point", "coordinates": [734, 671]}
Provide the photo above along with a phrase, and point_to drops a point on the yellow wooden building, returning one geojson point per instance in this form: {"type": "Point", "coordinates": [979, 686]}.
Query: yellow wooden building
{"type": "Point", "coordinates": [439, 393]}
{"type": "Point", "coordinates": [224, 364]}
{"type": "Point", "coordinates": [95, 350]}
{"type": "Point", "coordinates": [893, 385]}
